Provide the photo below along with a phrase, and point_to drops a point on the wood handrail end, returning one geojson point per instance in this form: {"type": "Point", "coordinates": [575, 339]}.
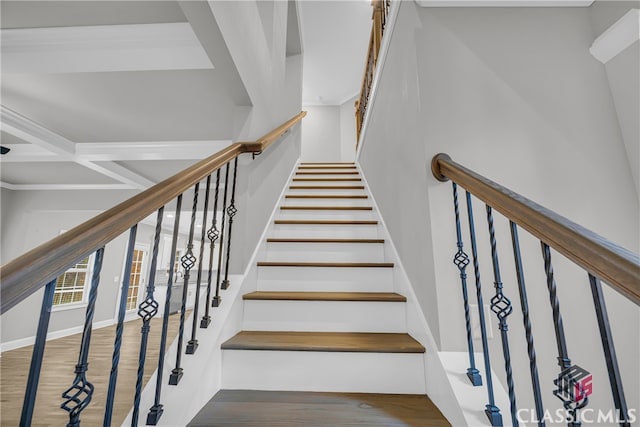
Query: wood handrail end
{"type": "Point", "coordinates": [435, 166]}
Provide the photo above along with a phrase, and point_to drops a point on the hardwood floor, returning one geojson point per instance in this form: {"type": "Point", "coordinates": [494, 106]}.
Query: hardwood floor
{"type": "Point", "coordinates": [57, 374]}
{"type": "Point", "coordinates": [288, 409]}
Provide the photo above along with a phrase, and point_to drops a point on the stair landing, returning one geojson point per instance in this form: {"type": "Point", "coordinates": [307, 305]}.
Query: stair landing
{"type": "Point", "coordinates": [250, 408]}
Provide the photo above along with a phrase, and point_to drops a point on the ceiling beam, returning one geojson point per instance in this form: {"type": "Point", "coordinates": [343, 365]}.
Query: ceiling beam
{"type": "Point", "coordinates": [65, 186]}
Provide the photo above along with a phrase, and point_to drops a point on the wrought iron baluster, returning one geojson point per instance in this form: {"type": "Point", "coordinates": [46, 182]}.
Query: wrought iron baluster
{"type": "Point", "coordinates": [147, 311]}
{"type": "Point", "coordinates": [115, 359]}
{"type": "Point", "coordinates": [216, 299]}
{"type": "Point", "coordinates": [192, 345]}
{"type": "Point", "coordinates": [609, 349]}
{"type": "Point", "coordinates": [491, 410]}
{"type": "Point", "coordinates": [231, 212]}
{"type": "Point", "coordinates": [38, 352]}
{"type": "Point", "coordinates": [78, 396]}
{"type": "Point", "coordinates": [157, 409]}
{"type": "Point", "coordinates": [188, 260]}
{"type": "Point", "coordinates": [524, 304]}
{"type": "Point", "coordinates": [212, 235]}
{"type": "Point", "coordinates": [501, 306]}
{"type": "Point", "coordinates": [564, 362]}
{"type": "Point", "coordinates": [461, 260]}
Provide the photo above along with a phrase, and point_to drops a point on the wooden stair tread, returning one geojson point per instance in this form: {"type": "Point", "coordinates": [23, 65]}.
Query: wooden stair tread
{"type": "Point", "coordinates": [326, 264]}
{"type": "Point", "coordinates": [324, 296]}
{"type": "Point", "coordinates": [253, 408]}
{"type": "Point", "coordinates": [327, 163]}
{"type": "Point", "coordinates": [326, 167]}
{"type": "Point", "coordinates": [329, 173]}
{"type": "Point", "coordinates": [313, 240]}
{"type": "Point", "coordinates": [325, 222]}
{"type": "Point", "coordinates": [366, 342]}
{"type": "Point", "coordinates": [326, 208]}
{"type": "Point", "coordinates": [326, 187]}
{"type": "Point", "coordinates": [327, 179]}
{"type": "Point", "coordinates": [323, 196]}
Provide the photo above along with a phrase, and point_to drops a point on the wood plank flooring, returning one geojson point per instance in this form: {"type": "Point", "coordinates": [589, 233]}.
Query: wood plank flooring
{"type": "Point", "coordinates": [293, 409]}
{"type": "Point", "coordinates": [57, 374]}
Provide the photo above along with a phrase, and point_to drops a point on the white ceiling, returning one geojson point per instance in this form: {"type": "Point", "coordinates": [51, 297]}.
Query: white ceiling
{"type": "Point", "coordinates": [335, 38]}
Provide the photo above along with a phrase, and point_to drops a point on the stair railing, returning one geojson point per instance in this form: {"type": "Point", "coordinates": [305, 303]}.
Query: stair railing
{"type": "Point", "coordinates": [598, 257]}
{"type": "Point", "coordinates": [41, 267]}
{"type": "Point", "coordinates": [379, 18]}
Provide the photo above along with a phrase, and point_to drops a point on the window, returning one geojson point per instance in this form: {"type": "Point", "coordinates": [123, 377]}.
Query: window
{"type": "Point", "coordinates": [135, 279]}
{"type": "Point", "coordinates": [71, 285]}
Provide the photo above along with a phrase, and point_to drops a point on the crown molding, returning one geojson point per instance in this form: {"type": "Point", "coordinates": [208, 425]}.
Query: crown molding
{"type": "Point", "coordinates": [619, 36]}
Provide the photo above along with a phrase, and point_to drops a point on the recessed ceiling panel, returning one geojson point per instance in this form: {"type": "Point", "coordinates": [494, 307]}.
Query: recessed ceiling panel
{"type": "Point", "coordinates": [7, 138]}
{"type": "Point", "coordinates": [29, 173]}
{"type": "Point", "coordinates": [157, 170]}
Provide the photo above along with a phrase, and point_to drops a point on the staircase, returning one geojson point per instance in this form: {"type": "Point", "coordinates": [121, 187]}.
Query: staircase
{"type": "Point", "coordinates": [325, 317]}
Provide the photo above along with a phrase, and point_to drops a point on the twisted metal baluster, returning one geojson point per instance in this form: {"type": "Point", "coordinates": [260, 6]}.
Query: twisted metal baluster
{"type": "Point", "coordinates": [224, 208]}
{"type": "Point", "coordinates": [609, 351]}
{"type": "Point", "coordinates": [563, 357]}
{"type": "Point", "coordinates": [524, 304]}
{"type": "Point", "coordinates": [147, 311]}
{"type": "Point", "coordinates": [192, 345]}
{"type": "Point", "coordinates": [212, 235]}
{"type": "Point", "coordinates": [501, 306]}
{"type": "Point", "coordinates": [461, 260]}
{"type": "Point", "coordinates": [115, 359]}
{"type": "Point", "coordinates": [38, 352]}
{"type": "Point", "coordinates": [491, 410]}
{"type": "Point", "coordinates": [157, 409]}
{"type": "Point", "coordinates": [78, 396]}
{"type": "Point", "coordinates": [188, 260]}
{"type": "Point", "coordinates": [231, 212]}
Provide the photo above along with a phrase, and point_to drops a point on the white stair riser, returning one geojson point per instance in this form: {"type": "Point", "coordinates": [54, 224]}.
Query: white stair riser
{"type": "Point", "coordinates": [326, 202]}
{"type": "Point", "coordinates": [324, 316]}
{"type": "Point", "coordinates": [324, 192]}
{"type": "Point", "coordinates": [325, 230]}
{"type": "Point", "coordinates": [324, 214]}
{"type": "Point", "coordinates": [325, 252]}
{"type": "Point", "coordinates": [325, 279]}
{"type": "Point", "coordinates": [323, 371]}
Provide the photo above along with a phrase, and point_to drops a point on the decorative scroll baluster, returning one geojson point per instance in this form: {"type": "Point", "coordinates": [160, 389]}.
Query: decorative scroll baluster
{"type": "Point", "coordinates": [216, 299]}
{"type": "Point", "coordinates": [524, 304]}
{"type": "Point", "coordinates": [461, 260]}
{"type": "Point", "coordinates": [78, 396]}
{"type": "Point", "coordinates": [192, 345]}
{"type": "Point", "coordinates": [156, 410]}
{"type": "Point", "coordinates": [213, 235]}
{"type": "Point", "coordinates": [231, 212]}
{"type": "Point", "coordinates": [188, 260]}
{"type": "Point", "coordinates": [147, 311]}
{"type": "Point", "coordinates": [501, 306]}
{"type": "Point", "coordinates": [37, 355]}
{"type": "Point", "coordinates": [564, 362]}
{"type": "Point", "coordinates": [491, 410]}
{"type": "Point", "coordinates": [115, 359]}
{"type": "Point", "coordinates": [609, 351]}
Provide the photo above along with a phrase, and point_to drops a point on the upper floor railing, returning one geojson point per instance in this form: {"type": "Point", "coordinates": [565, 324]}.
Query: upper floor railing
{"type": "Point", "coordinates": [598, 257]}
{"type": "Point", "coordinates": [42, 266]}
{"type": "Point", "coordinates": [380, 15]}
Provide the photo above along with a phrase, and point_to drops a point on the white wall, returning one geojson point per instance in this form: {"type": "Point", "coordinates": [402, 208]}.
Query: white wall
{"type": "Point", "coordinates": [329, 133]}
{"type": "Point", "coordinates": [515, 95]}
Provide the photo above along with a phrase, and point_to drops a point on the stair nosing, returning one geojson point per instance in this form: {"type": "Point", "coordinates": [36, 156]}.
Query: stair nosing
{"type": "Point", "coordinates": [320, 240]}
{"type": "Point", "coordinates": [326, 187]}
{"type": "Point", "coordinates": [324, 296]}
{"type": "Point", "coordinates": [327, 208]}
{"type": "Point", "coordinates": [326, 196]}
{"type": "Point", "coordinates": [324, 222]}
{"type": "Point", "coordinates": [325, 264]}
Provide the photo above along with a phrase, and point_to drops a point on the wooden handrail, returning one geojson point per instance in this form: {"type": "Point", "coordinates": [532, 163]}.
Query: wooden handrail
{"type": "Point", "coordinates": [26, 274]}
{"type": "Point", "coordinates": [617, 266]}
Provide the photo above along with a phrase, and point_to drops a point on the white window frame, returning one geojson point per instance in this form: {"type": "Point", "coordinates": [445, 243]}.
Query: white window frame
{"type": "Point", "coordinates": [85, 289]}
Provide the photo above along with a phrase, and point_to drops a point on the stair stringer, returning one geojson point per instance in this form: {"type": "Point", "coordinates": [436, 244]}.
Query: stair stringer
{"type": "Point", "coordinates": [203, 370]}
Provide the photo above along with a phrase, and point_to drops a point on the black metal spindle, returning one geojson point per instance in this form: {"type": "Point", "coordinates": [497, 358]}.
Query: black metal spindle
{"type": "Point", "coordinates": [36, 357]}
{"type": "Point", "coordinates": [78, 396]}
{"type": "Point", "coordinates": [157, 409]}
{"type": "Point", "coordinates": [115, 359]}
{"type": "Point", "coordinates": [501, 306]}
{"type": "Point", "coordinates": [563, 381]}
{"type": "Point", "coordinates": [524, 304]}
{"type": "Point", "coordinates": [609, 349]}
{"type": "Point", "coordinates": [147, 311]}
{"type": "Point", "coordinates": [216, 299]}
{"type": "Point", "coordinates": [491, 410]}
{"type": "Point", "coordinates": [461, 260]}
{"type": "Point", "coordinates": [188, 260]}
{"type": "Point", "coordinates": [192, 345]}
{"type": "Point", "coordinates": [231, 212]}
{"type": "Point", "coordinates": [212, 234]}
